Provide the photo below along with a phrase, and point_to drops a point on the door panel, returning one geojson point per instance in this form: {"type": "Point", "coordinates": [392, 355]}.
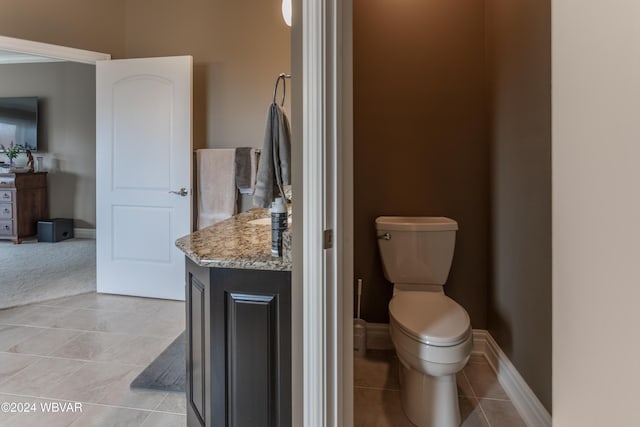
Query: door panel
{"type": "Point", "coordinates": [143, 148]}
{"type": "Point", "coordinates": [151, 100]}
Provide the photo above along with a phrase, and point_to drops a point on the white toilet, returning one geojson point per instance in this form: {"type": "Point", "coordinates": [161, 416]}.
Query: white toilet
{"type": "Point", "coordinates": [431, 332]}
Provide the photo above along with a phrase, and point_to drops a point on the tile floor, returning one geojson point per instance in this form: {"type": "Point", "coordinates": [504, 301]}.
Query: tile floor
{"type": "Point", "coordinates": [483, 402]}
{"type": "Point", "coordinates": [88, 349]}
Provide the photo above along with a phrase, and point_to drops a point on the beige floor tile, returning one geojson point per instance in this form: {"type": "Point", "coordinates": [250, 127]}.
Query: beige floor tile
{"type": "Point", "coordinates": [170, 309]}
{"type": "Point", "coordinates": [46, 373]}
{"type": "Point", "coordinates": [174, 402]}
{"type": "Point", "coordinates": [88, 384]}
{"type": "Point", "coordinates": [40, 419]}
{"type": "Point", "coordinates": [12, 315]}
{"type": "Point", "coordinates": [501, 413]}
{"type": "Point", "coordinates": [378, 408]}
{"type": "Point", "coordinates": [129, 330]}
{"type": "Point", "coordinates": [119, 303]}
{"type": "Point", "coordinates": [121, 322]}
{"type": "Point", "coordinates": [86, 300]}
{"type": "Point", "coordinates": [11, 364]}
{"type": "Point", "coordinates": [464, 388]}
{"type": "Point", "coordinates": [45, 342]}
{"type": "Point", "coordinates": [89, 345]}
{"type": "Point", "coordinates": [484, 381]}
{"type": "Point", "coordinates": [11, 335]}
{"type": "Point", "coordinates": [159, 419]}
{"type": "Point", "coordinates": [379, 369]}
{"type": "Point", "coordinates": [158, 326]}
{"type": "Point", "coordinates": [470, 413]}
{"type": "Point", "coordinates": [99, 320]}
{"type": "Point", "coordinates": [136, 350]}
{"type": "Point", "coordinates": [153, 306]}
{"type": "Point", "coordinates": [478, 358]}
{"type": "Point", "coordinates": [14, 412]}
{"type": "Point", "coordinates": [109, 416]}
{"type": "Point", "coordinates": [119, 393]}
{"type": "Point", "coordinates": [81, 319]}
{"type": "Point", "coordinates": [41, 315]}
{"type": "Point", "coordinates": [130, 304]}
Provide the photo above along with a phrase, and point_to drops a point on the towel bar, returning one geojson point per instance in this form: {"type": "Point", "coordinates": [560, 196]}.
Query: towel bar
{"type": "Point", "coordinates": [282, 77]}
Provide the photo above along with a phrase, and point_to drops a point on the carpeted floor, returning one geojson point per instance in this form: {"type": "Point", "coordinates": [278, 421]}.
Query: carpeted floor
{"type": "Point", "coordinates": [33, 271]}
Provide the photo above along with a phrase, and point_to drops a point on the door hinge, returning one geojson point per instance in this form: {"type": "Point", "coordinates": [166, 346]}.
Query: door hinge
{"type": "Point", "coordinates": [327, 239]}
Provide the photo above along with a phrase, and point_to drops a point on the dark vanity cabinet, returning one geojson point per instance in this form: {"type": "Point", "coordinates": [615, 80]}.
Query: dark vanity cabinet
{"type": "Point", "coordinates": [238, 347]}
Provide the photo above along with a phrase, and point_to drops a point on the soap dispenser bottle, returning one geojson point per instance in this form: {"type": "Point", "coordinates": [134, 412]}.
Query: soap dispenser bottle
{"type": "Point", "coordinates": [278, 225]}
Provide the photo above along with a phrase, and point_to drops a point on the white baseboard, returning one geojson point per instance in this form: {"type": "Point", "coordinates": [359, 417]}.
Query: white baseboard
{"type": "Point", "coordinates": [533, 413]}
{"type": "Point", "coordinates": [84, 233]}
{"type": "Point", "coordinates": [531, 410]}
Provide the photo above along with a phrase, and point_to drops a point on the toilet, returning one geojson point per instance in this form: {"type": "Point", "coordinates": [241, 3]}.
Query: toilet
{"type": "Point", "coordinates": [431, 333]}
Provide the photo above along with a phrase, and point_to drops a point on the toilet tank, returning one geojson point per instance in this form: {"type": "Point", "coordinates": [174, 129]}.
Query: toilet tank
{"type": "Point", "coordinates": [416, 250]}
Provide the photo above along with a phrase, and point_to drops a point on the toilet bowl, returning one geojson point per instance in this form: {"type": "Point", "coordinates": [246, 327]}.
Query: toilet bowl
{"type": "Point", "coordinates": [431, 333]}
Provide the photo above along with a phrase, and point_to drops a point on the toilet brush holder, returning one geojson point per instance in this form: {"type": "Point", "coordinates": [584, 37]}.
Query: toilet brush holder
{"type": "Point", "coordinates": [359, 337]}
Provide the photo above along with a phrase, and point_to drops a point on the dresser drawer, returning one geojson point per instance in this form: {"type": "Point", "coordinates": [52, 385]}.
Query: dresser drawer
{"type": "Point", "coordinates": [6, 196]}
{"type": "Point", "coordinates": [6, 211]}
{"type": "Point", "coordinates": [7, 181]}
{"type": "Point", "coordinates": [6, 228]}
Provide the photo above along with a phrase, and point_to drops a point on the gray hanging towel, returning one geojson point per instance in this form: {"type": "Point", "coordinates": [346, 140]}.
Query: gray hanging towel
{"type": "Point", "coordinates": [274, 169]}
{"type": "Point", "coordinates": [246, 169]}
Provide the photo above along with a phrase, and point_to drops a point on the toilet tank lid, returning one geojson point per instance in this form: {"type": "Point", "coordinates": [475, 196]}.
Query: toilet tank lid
{"type": "Point", "coordinates": [416, 223]}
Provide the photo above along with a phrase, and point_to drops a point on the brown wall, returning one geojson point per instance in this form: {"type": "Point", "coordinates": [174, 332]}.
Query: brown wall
{"type": "Point", "coordinates": [239, 48]}
{"type": "Point", "coordinates": [420, 143]}
{"type": "Point", "coordinates": [519, 71]}
{"type": "Point", "coordinates": [96, 25]}
{"type": "Point", "coordinates": [448, 125]}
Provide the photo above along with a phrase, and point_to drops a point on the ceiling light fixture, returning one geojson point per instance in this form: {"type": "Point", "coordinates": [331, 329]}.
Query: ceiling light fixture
{"type": "Point", "coordinates": [286, 11]}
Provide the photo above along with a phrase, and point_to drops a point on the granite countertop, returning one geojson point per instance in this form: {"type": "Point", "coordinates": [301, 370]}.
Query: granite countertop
{"type": "Point", "coordinates": [234, 243]}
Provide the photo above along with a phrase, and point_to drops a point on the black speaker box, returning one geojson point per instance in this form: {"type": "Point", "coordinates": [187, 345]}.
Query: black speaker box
{"type": "Point", "coordinates": [55, 230]}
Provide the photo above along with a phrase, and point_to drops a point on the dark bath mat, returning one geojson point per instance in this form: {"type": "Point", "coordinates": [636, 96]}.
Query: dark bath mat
{"type": "Point", "coordinates": [168, 371]}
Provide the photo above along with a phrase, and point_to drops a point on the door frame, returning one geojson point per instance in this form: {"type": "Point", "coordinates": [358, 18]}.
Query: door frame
{"type": "Point", "coordinates": [327, 203]}
{"type": "Point", "coordinates": [52, 51]}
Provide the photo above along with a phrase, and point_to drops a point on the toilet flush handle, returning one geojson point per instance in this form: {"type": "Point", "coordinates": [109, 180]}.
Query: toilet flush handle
{"type": "Point", "coordinates": [385, 236]}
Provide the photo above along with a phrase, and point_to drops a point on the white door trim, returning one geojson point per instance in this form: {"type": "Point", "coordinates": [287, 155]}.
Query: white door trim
{"type": "Point", "coordinates": [317, 375]}
{"type": "Point", "coordinates": [327, 203]}
{"type": "Point", "coordinates": [51, 51]}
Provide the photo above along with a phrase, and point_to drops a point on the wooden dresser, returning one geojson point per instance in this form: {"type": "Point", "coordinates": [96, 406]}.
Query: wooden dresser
{"type": "Point", "coordinates": [23, 202]}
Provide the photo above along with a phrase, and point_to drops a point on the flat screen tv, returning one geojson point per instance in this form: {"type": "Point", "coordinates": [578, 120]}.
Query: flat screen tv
{"type": "Point", "coordinates": [19, 122]}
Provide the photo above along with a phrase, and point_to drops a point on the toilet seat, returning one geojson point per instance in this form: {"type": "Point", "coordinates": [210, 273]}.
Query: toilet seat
{"type": "Point", "coordinates": [431, 318]}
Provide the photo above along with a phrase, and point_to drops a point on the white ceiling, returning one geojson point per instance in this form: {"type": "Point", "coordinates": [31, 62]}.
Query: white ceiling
{"type": "Point", "coordinates": [7, 57]}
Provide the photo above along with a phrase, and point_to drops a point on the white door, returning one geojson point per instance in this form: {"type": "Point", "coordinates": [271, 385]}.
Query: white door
{"type": "Point", "coordinates": [143, 174]}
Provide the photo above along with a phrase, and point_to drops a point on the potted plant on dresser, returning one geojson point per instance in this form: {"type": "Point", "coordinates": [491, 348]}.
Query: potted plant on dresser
{"type": "Point", "coordinates": [11, 152]}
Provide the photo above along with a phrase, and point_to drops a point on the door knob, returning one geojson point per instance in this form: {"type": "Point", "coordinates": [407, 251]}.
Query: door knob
{"type": "Point", "coordinates": [183, 192]}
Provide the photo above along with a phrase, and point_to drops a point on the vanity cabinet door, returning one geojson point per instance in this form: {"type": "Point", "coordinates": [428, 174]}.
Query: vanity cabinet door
{"type": "Point", "coordinates": [238, 347]}
{"type": "Point", "coordinates": [198, 353]}
{"type": "Point", "coordinates": [252, 317]}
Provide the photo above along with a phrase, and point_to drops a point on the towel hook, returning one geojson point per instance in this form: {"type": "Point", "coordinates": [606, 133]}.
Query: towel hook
{"type": "Point", "coordinates": [282, 77]}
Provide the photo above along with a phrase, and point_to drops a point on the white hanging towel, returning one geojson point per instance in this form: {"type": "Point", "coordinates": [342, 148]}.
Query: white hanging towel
{"type": "Point", "coordinates": [216, 185]}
